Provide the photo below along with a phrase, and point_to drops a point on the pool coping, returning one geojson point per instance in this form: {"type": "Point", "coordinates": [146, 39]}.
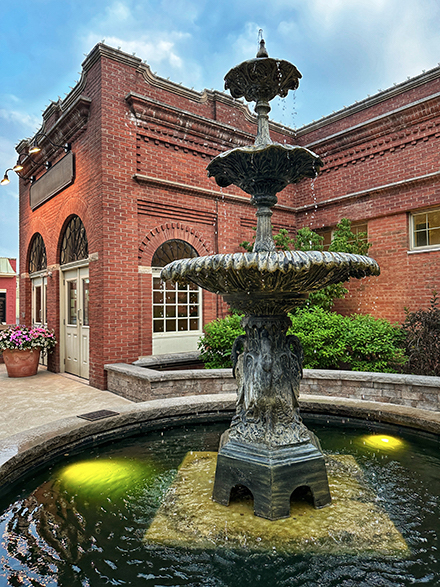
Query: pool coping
{"type": "Point", "coordinates": [39, 446]}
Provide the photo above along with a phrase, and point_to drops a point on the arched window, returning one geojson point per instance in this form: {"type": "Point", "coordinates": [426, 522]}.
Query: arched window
{"type": "Point", "coordinates": [74, 246]}
{"type": "Point", "coordinates": [177, 316]}
{"type": "Point", "coordinates": [171, 251]}
{"type": "Point", "coordinates": [37, 257]}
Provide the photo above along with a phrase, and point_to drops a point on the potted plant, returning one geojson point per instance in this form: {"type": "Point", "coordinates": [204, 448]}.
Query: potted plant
{"type": "Point", "coordinates": [21, 347]}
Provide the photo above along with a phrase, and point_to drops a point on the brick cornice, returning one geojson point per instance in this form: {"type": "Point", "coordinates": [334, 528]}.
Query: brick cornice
{"type": "Point", "coordinates": [398, 123]}
{"type": "Point", "coordinates": [377, 190]}
{"type": "Point", "coordinates": [64, 130]}
{"type": "Point", "coordinates": [150, 111]}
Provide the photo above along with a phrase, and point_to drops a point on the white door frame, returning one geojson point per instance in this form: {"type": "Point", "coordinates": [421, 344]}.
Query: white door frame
{"type": "Point", "coordinates": [39, 310]}
{"type": "Point", "coordinates": [79, 364]}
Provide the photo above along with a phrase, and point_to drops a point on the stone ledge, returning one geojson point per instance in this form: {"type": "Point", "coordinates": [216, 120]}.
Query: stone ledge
{"type": "Point", "coordinates": [141, 384]}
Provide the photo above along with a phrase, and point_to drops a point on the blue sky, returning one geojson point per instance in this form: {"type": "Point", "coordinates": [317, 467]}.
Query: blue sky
{"type": "Point", "coordinates": [345, 50]}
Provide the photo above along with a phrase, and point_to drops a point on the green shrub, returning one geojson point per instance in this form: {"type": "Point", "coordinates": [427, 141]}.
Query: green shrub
{"type": "Point", "coordinates": [322, 335]}
{"type": "Point", "coordinates": [216, 344]}
{"type": "Point", "coordinates": [329, 340]}
{"type": "Point", "coordinates": [358, 342]}
{"type": "Point", "coordinates": [374, 344]}
{"type": "Point", "coordinates": [422, 340]}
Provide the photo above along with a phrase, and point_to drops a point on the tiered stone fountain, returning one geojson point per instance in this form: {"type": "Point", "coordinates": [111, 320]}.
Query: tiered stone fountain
{"type": "Point", "coordinates": [267, 448]}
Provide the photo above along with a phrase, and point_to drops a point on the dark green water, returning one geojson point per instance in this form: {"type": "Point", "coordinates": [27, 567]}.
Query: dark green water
{"type": "Point", "coordinates": [81, 522]}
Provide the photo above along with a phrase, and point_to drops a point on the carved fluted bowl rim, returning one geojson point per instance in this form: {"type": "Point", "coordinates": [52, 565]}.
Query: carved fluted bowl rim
{"type": "Point", "coordinates": [296, 272]}
{"type": "Point", "coordinates": [282, 164]}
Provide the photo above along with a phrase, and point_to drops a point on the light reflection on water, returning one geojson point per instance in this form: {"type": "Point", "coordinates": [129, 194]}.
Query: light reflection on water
{"type": "Point", "coordinates": [83, 522]}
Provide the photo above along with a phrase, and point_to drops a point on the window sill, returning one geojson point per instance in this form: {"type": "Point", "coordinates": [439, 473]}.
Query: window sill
{"type": "Point", "coordinates": [425, 250]}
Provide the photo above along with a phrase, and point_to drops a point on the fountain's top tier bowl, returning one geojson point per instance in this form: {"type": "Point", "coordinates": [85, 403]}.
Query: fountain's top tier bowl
{"type": "Point", "coordinates": [269, 282]}
{"type": "Point", "coordinates": [262, 78]}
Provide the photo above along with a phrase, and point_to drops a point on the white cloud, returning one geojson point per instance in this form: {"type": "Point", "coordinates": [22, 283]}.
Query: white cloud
{"type": "Point", "coordinates": [156, 48]}
{"type": "Point", "coordinates": [25, 120]}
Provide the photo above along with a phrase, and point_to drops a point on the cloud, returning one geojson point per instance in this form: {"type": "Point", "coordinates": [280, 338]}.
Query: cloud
{"type": "Point", "coordinates": [23, 119]}
{"type": "Point", "coordinates": [154, 51]}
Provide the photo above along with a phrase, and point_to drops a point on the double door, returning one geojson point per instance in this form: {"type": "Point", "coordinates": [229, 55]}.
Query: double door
{"type": "Point", "coordinates": [76, 321]}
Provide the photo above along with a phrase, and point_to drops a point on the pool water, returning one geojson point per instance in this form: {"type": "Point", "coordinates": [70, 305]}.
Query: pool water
{"type": "Point", "coordinates": [82, 521]}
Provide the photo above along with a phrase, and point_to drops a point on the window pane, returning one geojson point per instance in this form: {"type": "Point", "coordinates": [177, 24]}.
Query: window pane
{"type": "Point", "coordinates": [194, 298]}
{"type": "Point", "coordinates": [170, 325]}
{"type": "Point", "coordinates": [171, 311]}
{"type": "Point", "coordinates": [169, 286]}
{"type": "Point", "coordinates": [193, 311]}
{"type": "Point", "coordinates": [157, 283]}
{"type": "Point", "coordinates": [3, 307]}
{"type": "Point", "coordinates": [158, 297]}
{"type": "Point", "coordinates": [419, 221]}
{"type": "Point", "coordinates": [85, 302]}
{"type": "Point", "coordinates": [182, 297]}
{"type": "Point", "coordinates": [171, 297]}
{"type": "Point", "coordinates": [421, 239]}
{"type": "Point", "coordinates": [72, 297]}
{"type": "Point", "coordinates": [38, 305]}
{"type": "Point", "coordinates": [434, 236]}
{"type": "Point", "coordinates": [182, 325]}
{"type": "Point", "coordinates": [434, 219]}
{"type": "Point", "coordinates": [182, 311]}
{"type": "Point", "coordinates": [193, 286]}
{"type": "Point", "coordinates": [194, 324]}
{"type": "Point", "coordinates": [158, 326]}
{"type": "Point", "coordinates": [158, 312]}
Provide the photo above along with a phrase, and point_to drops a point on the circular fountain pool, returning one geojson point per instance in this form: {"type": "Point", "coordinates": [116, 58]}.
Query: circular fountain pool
{"type": "Point", "coordinates": [88, 520]}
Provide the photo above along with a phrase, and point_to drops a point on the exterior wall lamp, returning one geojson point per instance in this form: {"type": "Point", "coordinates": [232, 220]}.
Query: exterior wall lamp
{"type": "Point", "coordinates": [33, 148]}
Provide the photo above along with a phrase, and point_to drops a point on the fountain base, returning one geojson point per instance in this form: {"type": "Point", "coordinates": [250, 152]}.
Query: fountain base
{"type": "Point", "coordinates": [354, 524]}
{"type": "Point", "coordinates": [271, 474]}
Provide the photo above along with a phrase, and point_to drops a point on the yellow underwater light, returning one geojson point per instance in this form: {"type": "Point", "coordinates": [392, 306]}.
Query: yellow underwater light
{"type": "Point", "coordinates": [109, 477]}
{"type": "Point", "coordinates": [382, 442]}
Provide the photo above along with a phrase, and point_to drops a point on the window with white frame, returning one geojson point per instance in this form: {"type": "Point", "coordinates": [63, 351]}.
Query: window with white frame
{"type": "Point", "coordinates": [176, 308]}
{"type": "Point", "coordinates": [425, 229]}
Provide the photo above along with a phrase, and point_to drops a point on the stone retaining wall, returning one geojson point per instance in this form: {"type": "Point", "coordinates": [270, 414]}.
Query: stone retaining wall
{"type": "Point", "coordinates": [141, 384]}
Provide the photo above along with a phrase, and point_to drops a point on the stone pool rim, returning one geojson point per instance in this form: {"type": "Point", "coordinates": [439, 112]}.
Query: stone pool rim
{"type": "Point", "coordinates": [26, 452]}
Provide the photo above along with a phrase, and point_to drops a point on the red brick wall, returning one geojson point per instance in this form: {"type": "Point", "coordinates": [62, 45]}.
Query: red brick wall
{"type": "Point", "coordinates": [10, 285]}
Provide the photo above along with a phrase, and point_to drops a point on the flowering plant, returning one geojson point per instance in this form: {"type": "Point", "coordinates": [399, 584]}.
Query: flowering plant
{"type": "Point", "coordinates": [24, 338]}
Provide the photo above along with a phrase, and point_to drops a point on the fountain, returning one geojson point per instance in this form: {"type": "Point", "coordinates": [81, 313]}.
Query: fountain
{"type": "Point", "coordinates": [267, 449]}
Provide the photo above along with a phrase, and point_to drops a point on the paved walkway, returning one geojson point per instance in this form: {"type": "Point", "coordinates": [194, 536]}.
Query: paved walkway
{"type": "Point", "coordinates": [27, 402]}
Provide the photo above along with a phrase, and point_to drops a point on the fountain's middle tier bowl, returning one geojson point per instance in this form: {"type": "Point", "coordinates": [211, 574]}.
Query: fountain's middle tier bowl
{"type": "Point", "coordinates": [266, 169]}
{"type": "Point", "coordinates": [268, 283]}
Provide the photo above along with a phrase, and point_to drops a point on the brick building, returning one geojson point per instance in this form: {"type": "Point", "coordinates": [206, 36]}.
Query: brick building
{"type": "Point", "coordinates": [8, 290]}
{"type": "Point", "coordinates": [129, 192]}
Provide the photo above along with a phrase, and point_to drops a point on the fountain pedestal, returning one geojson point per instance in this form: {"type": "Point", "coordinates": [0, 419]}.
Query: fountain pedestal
{"type": "Point", "coordinates": [268, 449]}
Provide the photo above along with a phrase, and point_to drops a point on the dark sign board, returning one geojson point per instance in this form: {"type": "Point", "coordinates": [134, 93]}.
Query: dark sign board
{"type": "Point", "coordinates": [56, 179]}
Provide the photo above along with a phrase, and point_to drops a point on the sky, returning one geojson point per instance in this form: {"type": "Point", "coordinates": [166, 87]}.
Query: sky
{"type": "Point", "coordinates": [345, 50]}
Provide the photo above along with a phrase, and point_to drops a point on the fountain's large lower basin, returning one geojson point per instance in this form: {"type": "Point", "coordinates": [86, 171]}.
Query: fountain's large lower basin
{"type": "Point", "coordinates": [83, 519]}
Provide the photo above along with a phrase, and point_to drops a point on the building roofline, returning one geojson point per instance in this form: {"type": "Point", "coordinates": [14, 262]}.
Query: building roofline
{"type": "Point", "coordinates": [370, 101]}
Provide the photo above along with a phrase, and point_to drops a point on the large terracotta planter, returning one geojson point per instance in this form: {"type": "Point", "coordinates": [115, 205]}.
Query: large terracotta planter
{"type": "Point", "coordinates": [21, 363]}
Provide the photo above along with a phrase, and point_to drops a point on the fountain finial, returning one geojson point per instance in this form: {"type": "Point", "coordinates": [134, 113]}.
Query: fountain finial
{"type": "Point", "coordinates": [262, 52]}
